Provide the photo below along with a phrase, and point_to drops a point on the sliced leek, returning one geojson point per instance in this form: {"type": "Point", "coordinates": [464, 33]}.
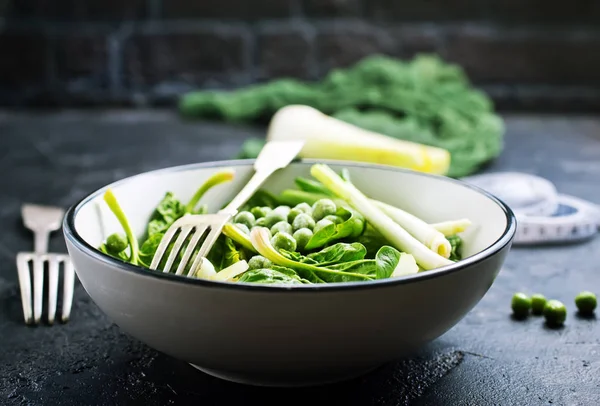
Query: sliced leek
{"type": "Point", "coordinates": [393, 232]}
{"type": "Point", "coordinates": [452, 227]}
{"type": "Point", "coordinates": [426, 234]}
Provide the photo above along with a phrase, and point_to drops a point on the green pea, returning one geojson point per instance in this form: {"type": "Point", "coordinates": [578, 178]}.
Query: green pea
{"type": "Point", "coordinates": [259, 212]}
{"type": "Point", "coordinates": [555, 313]}
{"type": "Point", "coordinates": [281, 227]}
{"type": "Point", "coordinates": [520, 304]}
{"type": "Point", "coordinates": [304, 208]}
{"type": "Point", "coordinates": [333, 218]}
{"type": "Point", "coordinates": [246, 218]}
{"type": "Point", "coordinates": [116, 243]}
{"type": "Point", "coordinates": [262, 222]}
{"type": "Point", "coordinates": [302, 237]}
{"type": "Point", "coordinates": [321, 224]}
{"type": "Point", "coordinates": [322, 208]}
{"type": "Point", "coordinates": [284, 210]}
{"type": "Point", "coordinates": [293, 214]}
{"type": "Point", "coordinates": [586, 302]}
{"type": "Point", "coordinates": [244, 228]}
{"type": "Point", "coordinates": [538, 302]}
{"type": "Point", "coordinates": [274, 218]}
{"type": "Point", "coordinates": [303, 221]}
{"type": "Point", "coordinates": [284, 241]}
{"type": "Point", "coordinates": [259, 262]}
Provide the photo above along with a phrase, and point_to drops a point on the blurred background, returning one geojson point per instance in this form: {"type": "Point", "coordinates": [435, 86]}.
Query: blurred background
{"type": "Point", "coordinates": [526, 54]}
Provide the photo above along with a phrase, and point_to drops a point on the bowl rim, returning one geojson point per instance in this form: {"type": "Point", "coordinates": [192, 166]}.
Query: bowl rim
{"type": "Point", "coordinates": [75, 238]}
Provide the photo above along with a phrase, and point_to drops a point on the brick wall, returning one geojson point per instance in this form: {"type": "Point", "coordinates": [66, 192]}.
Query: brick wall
{"type": "Point", "coordinates": [528, 54]}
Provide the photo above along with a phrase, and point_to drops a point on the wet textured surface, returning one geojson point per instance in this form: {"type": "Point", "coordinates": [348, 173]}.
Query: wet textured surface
{"type": "Point", "coordinates": [488, 358]}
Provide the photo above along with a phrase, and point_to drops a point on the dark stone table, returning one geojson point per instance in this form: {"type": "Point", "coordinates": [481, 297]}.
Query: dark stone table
{"type": "Point", "coordinates": [487, 359]}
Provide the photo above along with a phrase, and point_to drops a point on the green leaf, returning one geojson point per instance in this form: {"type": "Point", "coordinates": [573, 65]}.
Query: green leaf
{"type": "Point", "coordinates": [166, 213]}
{"type": "Point", "coordinates": [381, 267]}
{"type": "Point", "coordinates": [148, 249]}
{"type": "Point", "coordinates": [122, 255]}
{"type": "Point", "coordinates": [353, 225]}
{"type": "Point", "coordinates": [456, 244]}
{"type": "Point", "coordinates": [312, 186]}
{"type": "Point", "coordinates": [261, 240]}
{"type": "Point", "coordinates": [224, 253]}
{"type": "Point", "coordinates": [372, 241]}
{"type": "Point", "coordinates": [271, 276]}
{"type": "Point", "coordinates": [340, 252]}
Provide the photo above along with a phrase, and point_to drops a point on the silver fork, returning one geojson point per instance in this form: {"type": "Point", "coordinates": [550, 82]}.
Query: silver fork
{"type": "Point", "coordinates": [274, 155]}
{"type": "Point", "coordinates": [42, 220]}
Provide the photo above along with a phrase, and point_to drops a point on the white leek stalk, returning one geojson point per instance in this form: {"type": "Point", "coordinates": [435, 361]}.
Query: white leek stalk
{"type": "Point", "coordinates": [231, 271]}
{"type": "Point", "coordinates": [206, 270]}
{"type": "Point", "coordinates": [428, 235]}
{"type": "Point", "coordinates": [452, 227]}
{"type": "Point", "coordinates": [327, 137]}
{"type": "Point", "coordinates": [393, 232]}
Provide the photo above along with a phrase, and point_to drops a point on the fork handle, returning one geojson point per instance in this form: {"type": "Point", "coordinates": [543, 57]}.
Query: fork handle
{"type": "Point", "coordinates": [40, 240]}
{"type": "Point", "coordinates": [247, 191]}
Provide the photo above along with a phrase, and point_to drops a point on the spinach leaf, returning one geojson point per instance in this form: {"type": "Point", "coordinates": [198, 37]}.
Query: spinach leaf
{"type": "Point", "coordinates": [165, 214]}
{"type": "Point", "coordinates": [340, 252]}
{"type": "Point", "coordinates": [381, 267]}
{"type": "Point", "coordinates": [372, 241]}
{"type": "Point", "coordinates": [282, 276]}
{"type": "Point", "coordinates": [312, 186]}
{"type": "Point", "coordinates": [353, 225]}
{"type": "Point", "coordinates": [122, 255]}
{"type": "Point", "coordinates": [148, 249]}
{"type": "Point", "coordinates": [456, 244]}
{"type": "Point", "coordinates": [224, 253]}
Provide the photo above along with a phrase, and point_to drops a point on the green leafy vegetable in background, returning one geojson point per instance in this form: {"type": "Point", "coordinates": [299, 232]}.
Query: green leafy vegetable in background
{"type": "Point", "coordinates": [424, 100]}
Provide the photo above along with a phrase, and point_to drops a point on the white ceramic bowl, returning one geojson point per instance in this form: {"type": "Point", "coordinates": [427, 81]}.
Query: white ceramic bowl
{"type": "Point", "coordinates": [268, 335]}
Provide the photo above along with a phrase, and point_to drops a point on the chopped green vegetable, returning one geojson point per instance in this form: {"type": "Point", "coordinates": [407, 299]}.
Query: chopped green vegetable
{"type": "Point", "coordinates": [538, 301]}
{"type": "Point", "coordinates": [555, 313]}
{"type": "Point", "coordinates": [293, 214]}
{"type": "Point", "coordinates": [258, 246]}
{"type": "Point", "coordinates": [586, 302]}
{"type": "Point", "coordinates": [116, 243]}
{"type": "Point", "coordinates": [260, 212]}
{"type": "Point", "coordinates": [303, 221]}
{"type": "Point", "coordinates": [455, 247]}
{"type": "Point", "coordinates": [274, 217]}
{"type": "Point", "coordinates": [322, 208]}
{"type": "Point", "coordinates": [304, 208]}
{"type": "Point", "coordinates": [520, 304]}
{"type": "Point", "coordinates": [302, 237]}
{"type": "Point", "coordinates": [333, 218]}
{"type": "Point", "coordinates": [259, 262]}
{"type": "Point", "coordinates": [321, 224]}
{"type": "Point", "coordinates": [284, 241]}
{"type": "Point", "coordinates": [271, 276]}
{"type": "Point", "coordinates": [260, 240]}
{"type": "Point", "coordinates": [281, 227]}
{"type": "Point", "coordinates": [246, 218]}
{"type": "Point", "coordinates": [393, 232]}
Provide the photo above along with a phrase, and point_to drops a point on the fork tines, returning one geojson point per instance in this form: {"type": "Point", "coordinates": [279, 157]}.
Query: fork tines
{"type": "Point", "coordinates": [36, 261]}
{"type": "Point", "coordinates": [198, 226]}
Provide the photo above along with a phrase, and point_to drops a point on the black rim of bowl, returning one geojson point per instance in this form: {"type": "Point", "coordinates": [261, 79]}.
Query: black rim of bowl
{"type": "Point", "coordinates": [73, 236]}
